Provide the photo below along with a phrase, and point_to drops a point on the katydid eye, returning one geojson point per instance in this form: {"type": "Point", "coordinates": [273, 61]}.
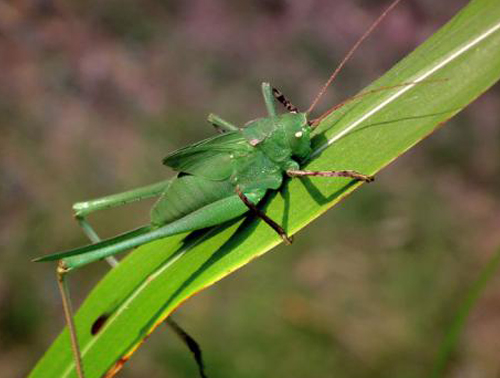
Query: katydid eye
{"type": "Point", "coordinates": [298, 134]}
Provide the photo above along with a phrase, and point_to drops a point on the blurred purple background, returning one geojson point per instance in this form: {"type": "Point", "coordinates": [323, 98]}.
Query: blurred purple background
{"type": "Point", "coordinates": [93, 94]}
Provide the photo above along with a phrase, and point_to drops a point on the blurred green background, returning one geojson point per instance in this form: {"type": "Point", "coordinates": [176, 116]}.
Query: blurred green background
{"type": "Point", "coordinates": [92, 96]}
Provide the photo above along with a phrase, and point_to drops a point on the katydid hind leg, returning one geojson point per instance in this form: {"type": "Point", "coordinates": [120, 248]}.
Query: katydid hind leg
{"type": "Point", "coordinates": [98, 324]}
{"type": "Point", "coordinates": [82, 209]}
{"type": "Point", "coordinates": [212, 214]}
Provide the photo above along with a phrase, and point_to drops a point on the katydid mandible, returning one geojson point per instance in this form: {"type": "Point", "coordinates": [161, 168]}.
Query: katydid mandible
{"type": "Point", "coordinates": [218, 179]}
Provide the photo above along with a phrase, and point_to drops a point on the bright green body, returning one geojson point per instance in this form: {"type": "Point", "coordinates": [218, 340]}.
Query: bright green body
{"type": "Point", "coordinates": [203, 194]}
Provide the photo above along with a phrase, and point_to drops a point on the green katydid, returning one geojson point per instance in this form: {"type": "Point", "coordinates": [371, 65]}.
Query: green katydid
{"type": "Point", "coordinates": [218, 179]}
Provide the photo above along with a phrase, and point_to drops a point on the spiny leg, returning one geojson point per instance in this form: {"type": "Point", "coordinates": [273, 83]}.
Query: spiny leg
{"type": "Point", "coordinates": [351, 174]}
{"type": "Point", "coordinates": [220, 124]}
{"type": "Point", "coordinates": [280, 97]}
{"type": "Point", "coordinates": [275, 226]}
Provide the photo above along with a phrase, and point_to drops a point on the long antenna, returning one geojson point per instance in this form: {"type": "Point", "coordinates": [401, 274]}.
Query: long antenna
{"type": "Point", "coordinates": [350, 53]}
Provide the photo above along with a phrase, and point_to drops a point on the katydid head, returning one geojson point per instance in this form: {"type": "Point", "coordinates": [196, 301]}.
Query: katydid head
{"type": "Point", "coordinates": [297, 133]}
